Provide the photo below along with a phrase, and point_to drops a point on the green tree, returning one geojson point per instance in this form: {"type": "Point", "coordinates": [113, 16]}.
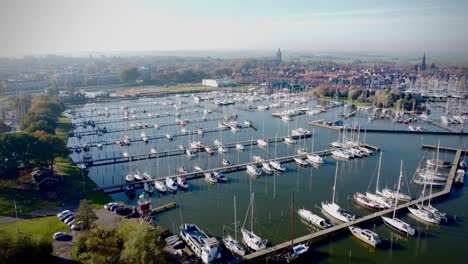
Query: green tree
{"type": "Point", "coordinates": [86, 215]}
{"type": "Point", "coordinates": [128, 74]}
{"type": "Point", "coordinates": [141, 244]}
{"type": "Point", "coordinates": [98, 246]}
{"type": "Point", "coordinates": [47, 147]}
{"type": "Point", "coordinates": [22, 249]}
{"type": "Point", "coordinates": [354, 94]}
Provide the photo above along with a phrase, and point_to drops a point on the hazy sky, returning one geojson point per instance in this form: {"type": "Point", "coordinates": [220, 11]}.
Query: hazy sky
{"type": "Point", "coordinates": [65, 26]}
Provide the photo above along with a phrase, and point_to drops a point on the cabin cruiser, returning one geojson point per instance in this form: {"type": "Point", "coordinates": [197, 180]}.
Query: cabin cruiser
{"type": "Point", "coordinates": [171, 184]}
{"type": "Point", "coordinates": [253, 170]}
{"type": "Point", "coordinates": [182, 182]}
{"type": "Point", "coordinates": [257, 159]}
{"type": "Point", "coordinates": [220, 176]}
{"type": "Point", "coordinates": [209, 150]}
{"type": "Point", "coordinates": [240, 147]}
{"type": "Point", "coordinates": [365, 235]}
{"type": "Point", "coordinates": [160, 186]}
{"type": "Point", "coordinates": [289, 140]}
{"type": "Point", "coordinates": [262, 143]}
{"type": "Point", "coordinates": [206, 248]}
{"type": "Point", "coordinates": [210, 178]}
{"type": "Point", "coordinates": [314, 158]}
{"type": "Point", "coordinates": [225, 162]}
{"type": "Point", "coordinates": [313, 219]}
{"type": "Point", "coordinates": [277, 166]}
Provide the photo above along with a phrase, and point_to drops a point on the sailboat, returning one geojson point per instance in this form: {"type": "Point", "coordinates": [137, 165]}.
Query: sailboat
{"type": "Point", "coordinates": [248, 236]}
{"type": "Point", "coordinates": [276, 164]}
{"type": "Point", "coordinates": [395, 223]}
{"type": "Point", "coordinates": [335, 210]}
{"type": "Point", "coordinates": [375, 197]}
{"type": "Point", "coordinates": [231, 243]}
{"type": "Point", "coordinates": [294, 252]}
{"type": "Point", "coordinates": [314, 158]}
{"type": "Point", "coordinates": [252, 170]}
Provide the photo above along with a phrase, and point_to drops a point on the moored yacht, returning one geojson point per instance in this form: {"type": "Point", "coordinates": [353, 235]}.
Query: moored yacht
{"type": "Point", "coordinates": [171, 184]}
{"type": "Point", "coordinates": [253, 170]}
{"type": "Point", "coordinates": [314, 158]}
{"type": "Point", "coordinates": [182, 182]}
{"type": "Point", "coordinates": [233, 246]}
{"type": "Point", "coordinates": [210, 178]}
{"type": "Point", "coordinates": [313, 219]}
{"type": "Point", "coordinates": [204, 247]}
{"type": "Point", "coordinates": [335, 210]}
{"type": "Point", "coordinates": [160, 186]}
{"type": "Point", "coordinates": [262, 143]}
{"type": "Point", "coordinates": [277, 166]}
{"type": "Point", "coordinates": [365, 235]}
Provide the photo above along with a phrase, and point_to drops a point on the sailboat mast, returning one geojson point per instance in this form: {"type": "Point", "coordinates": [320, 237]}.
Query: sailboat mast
{"type": "Point", "coordinates": [378, 174]}
{"type": "Point", "coordinates": [292, 220]}
{"type": "Point", "coordinates": [398, 188]}
{"type": "Point", "coordinates": [251, 220]}
{"type": "Point", "coordinates": [313, 139]}
{"type": "Point", "coordinates": [334, 184]}
{"type": "Point", "coordinates": [235, 219]}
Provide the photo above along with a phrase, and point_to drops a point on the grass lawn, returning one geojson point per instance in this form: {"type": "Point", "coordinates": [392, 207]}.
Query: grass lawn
{"type": "Point", "coordinates": [36, 228]}
{"type": "Point", "coordinates": [27, 200]}
{"type": "Point", "coordinates": [67, 168]}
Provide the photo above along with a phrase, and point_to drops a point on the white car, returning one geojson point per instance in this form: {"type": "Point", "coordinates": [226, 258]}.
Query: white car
{"type": "Point", "coordinates": [106, 206]}
{"type": "Point", "coordinates": [69, 219]}
{"type": "Point", "coordinates": [65, 216]}
{"type": "Point", "coordinates": [62, 236]}
{"type": "Point", "coordinates": [63, 213]}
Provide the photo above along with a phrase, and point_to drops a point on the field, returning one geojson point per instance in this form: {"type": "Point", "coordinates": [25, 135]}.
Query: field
{"type": "Point", "coordinates": [36, 228]}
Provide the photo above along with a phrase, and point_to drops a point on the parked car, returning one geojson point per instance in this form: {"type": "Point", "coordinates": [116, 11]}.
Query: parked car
{"type": "Point", "coordinates": [62, 236]}
{"type": "Point", "coordinates": [65, 216]}
{"type": "Point", "coordinates": [113, 207]}
{"type": "Point", "coordinates": [69, 219]}
{"type": "Point", "coordinates": [63, 213]}
{"type": "Point", "coordinates": [108, 205]}
{"type": "Point", "coordinates": [123, 210]}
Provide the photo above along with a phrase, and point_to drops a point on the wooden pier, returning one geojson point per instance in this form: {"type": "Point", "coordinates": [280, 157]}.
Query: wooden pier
{"type": "Point", "coordinates": [163, 208]}
{"type": "Point", "coordinates": [321, 234]}
{"type": "Point", "coordinates": [168, 153]}
{"type": "Point", "coordinates": [226, 169]}
{"type": "Point", "coordinates": [372, 130]}
{"type": "Point", "coordinates": [122, 129]}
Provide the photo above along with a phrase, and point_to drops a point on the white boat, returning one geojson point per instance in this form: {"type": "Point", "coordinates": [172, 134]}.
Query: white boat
{"type": "Point", "coordinates": [257, 159]}
{"type": "Point", "coordinates": [148, 188]}
{"type": "Point", "coordinates": [190, 154]}
{"type": "Point", "coordinates": [300, 161]}
{"type": "Point", "coordinates": [355, 152]}
{"type": "Point", "coordinates": [145, 139]}
{"type": "Point", "coordinates": [169, 136]}
{"type": "Point", "coordinates": [184, 130]}
{"type": "Point", "coordinates": [235, 129]}
{"type": "Point", "coordinates": [125, 154]}
{"type": "Point", "coordinates": [206, 248]}
{"type": "Point", "coordinates": [262, 143]}
{"type": "Point", "coordinates": [129, 178]}
{"type": "Point", "coordinates": [277, 166]}
{"type": "Point", "coordinates": [336, 144]}
{"type": "Point", "coordinates": [222, 149]}
{"type": "Point", "coordinates": [233, 246]}
{"type": "Point", "coordinates": [147, 176]}
{"type": "Point", "coordinates": [182, 182]}
{"type": "Point", "coordinates": [171, 184]}
{"type": "Point", "coordinates": [220, 177]}
{"type": "Point", "coordinates": [335, 210]}
{"type": "Point", "coordinates": [286, 118]}
{"type": "Point", "coordinates": [440, 163]}
{"type": "Point", "coordinates": [138, 176]}
{"type": "Point", "coordinates": [240, 147]}
{"type": "Point", "coordinates": [338, 153]}
{"type": "Point", "coordinates": [365, 235]}
{"type": "Point", "coordinates": [197, 168]}
{"type": "Point", "coordinates": [314, 158]}
{"type": "Point", "coordinates": [160, 186]}
{"type": "Point", "coordinates": [267, 167]}
{"type": "Point", "coordinates": [313, 219]}
{"type": "Point", "coordinates": [253, 170]}
{"type": "Point", "coordinates": [365, 201]}
{"type": "Point", "coordinates": [209, 150]}
{"type": "Point", "coordinates": [366, 150]}
{"type": "Point", "coordinates": [225, 162]}
{"type": "Point", "coordinates": [248, 123]}
{"type": "Point", "coordinates": [391, 194]}
{"type": "Point", "coordinates": [249, 237]}
{"type": "Point", "coordinates": [423, 215]}
{"type": "Point", "coordinates": [182, 170]}
{"type": "Point", "coordinates": [210, 178]}
{"type": "Point", "coordinates": [301, 151]}
{"type": "Point", "coordinates": [217, 143]}
{"type": "Point", "coordinates": [395, 223]}
{"type": "Point", "coordinates": [300, 132]}
{"type": "Point", "coordinates": [289, 140]}
{"type": "Point", "coordinates": [153, 151]}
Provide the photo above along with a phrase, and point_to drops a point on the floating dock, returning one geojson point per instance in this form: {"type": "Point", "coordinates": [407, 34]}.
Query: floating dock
{"type": "Point", "coordinates": [163, 208]}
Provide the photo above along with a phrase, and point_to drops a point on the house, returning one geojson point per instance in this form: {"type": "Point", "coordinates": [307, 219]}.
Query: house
{"type": "Point", "coordinates": [45, 180]}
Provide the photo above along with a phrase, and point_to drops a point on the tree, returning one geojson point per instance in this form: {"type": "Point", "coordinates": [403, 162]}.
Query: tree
{"type": "Point", "coordinates": [98, 245]}
{"type": "Point", "coordinates": [22, 249]}
{"type": "Point", "coordinates": [129, 74]}
{"type": "Point", "coordinates": [3, 127]}
{"type": "Point", "coordinates": [354, 94]}
{"type": "Point", "coordinates": [141, 244]}
{"type": "Point", "coordinates": [86, 215]}
{"type": "Point", "coordinates": [47, 147]}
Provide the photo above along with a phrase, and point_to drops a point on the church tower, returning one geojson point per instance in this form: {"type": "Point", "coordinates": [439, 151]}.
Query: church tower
{"type": "Point", "coordinates": [278, 56]}
{"type": "Point", "coordinates": [423, 63]}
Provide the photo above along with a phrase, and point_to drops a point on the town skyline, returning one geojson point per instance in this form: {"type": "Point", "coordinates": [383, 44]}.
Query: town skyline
{"type": "Point", "coordinates": [79, 27]}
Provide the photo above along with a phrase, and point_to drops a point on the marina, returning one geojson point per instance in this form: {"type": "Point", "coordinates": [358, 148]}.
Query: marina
{"type": "Point", "coordinates": [265, 160]}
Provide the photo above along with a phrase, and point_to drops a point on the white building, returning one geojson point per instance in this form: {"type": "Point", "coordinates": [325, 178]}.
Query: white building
{"type": "Point", "coordinates": [217, 82]}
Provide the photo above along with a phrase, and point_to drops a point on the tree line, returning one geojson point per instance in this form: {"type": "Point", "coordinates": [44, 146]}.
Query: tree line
{"type": "Point", "coordinates": [37, 144]}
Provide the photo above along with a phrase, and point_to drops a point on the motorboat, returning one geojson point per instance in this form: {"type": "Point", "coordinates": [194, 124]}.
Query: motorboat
{"type": "Point", "coordinates": [182, 182]}
{"type": "Point", "coordinates": [300, 161]}
{"type": "Point", "coordinates": [314, 158]}
{"type": "Point", "coordinates": [338, 153]}
{"type": "Point", "coordinates": [209, 150]}
{"type": "Point", "coordinates": [240, 147]}
{"type": "Point", "coordinates": [313, 219]}
{"type": "Point", "coordinates": [210, 178]}
{"type": "Point", "coordinates": [138, 176]}
{"type": "Point", "coordinates": [262, 143]}
{"type": "Point", "coordinates": [190, 154]}
{"type": "Point", "coordinates": [148, 188]}
{"type": "Point", "coordinates": [277, 166]}
{"type": "Point", "coordinates": [222, 149]}
{"type": "Point", "coordinates": [169, 136]}
{"type": "Point", "coordinates": [225, 162]}
{"type": "Point", "coordinates": [171, 184]}
{"type": "Point", "coordinates": [257, 159]}
{"type": "Point", "coordinates": [204, 247]}
{"type": "Point", "coordinates": [289, 140]}
{"type": "Point", "coordinates": [197, 168]}
{"type": "Point", "coordinates": [160, 186]}
{"type": "Point", "coordinates": [253, 170]}
{"type": "Point", "coordinates": [301, 151]}
{"type": "Point", "coordinates": [267, 167]}
{"type": "Point", "coordinates": [220, 176]}
{"type": "Point", "coordinates": [365, 235]}
{"type": "Point", "coordinates": [130, 178]}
